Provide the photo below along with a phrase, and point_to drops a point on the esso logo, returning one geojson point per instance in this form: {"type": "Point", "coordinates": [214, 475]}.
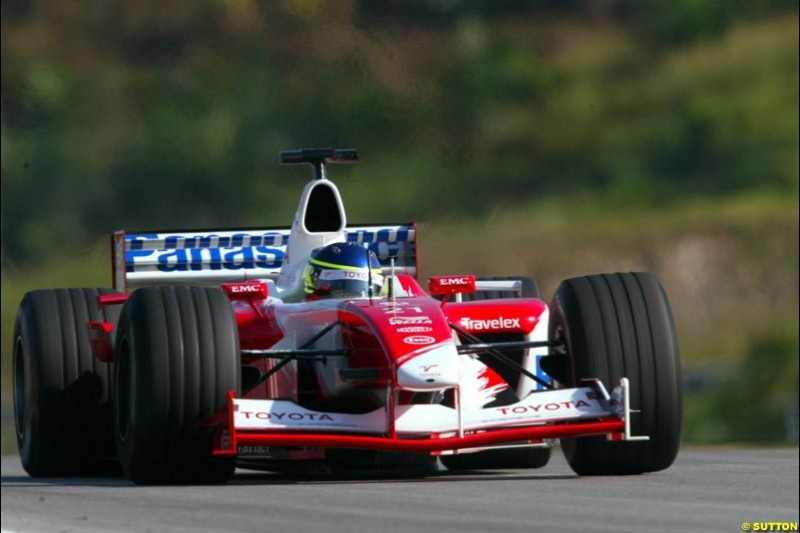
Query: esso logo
{"type": "Point", "coordinates": [419, 340]}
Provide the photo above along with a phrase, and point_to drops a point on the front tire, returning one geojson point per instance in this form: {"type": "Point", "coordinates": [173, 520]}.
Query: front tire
{"type": "Point", "coordinates": [177, 358]}
{"type": "Point", "coordinates": [614, 326]}
{"type": "Point", "coordinates": [62, 412]}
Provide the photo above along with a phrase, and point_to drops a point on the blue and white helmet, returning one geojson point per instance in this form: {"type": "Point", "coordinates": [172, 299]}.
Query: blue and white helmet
{"type": "Point", "coordinates": [343, 270]}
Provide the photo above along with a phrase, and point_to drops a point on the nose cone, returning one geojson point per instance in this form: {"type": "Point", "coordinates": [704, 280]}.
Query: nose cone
{"type": "Point", "coordinates": [435, 369]}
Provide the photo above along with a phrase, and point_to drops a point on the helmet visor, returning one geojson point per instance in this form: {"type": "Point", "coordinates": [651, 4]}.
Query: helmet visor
{"type": "Point", "coordinates": [349, 283]}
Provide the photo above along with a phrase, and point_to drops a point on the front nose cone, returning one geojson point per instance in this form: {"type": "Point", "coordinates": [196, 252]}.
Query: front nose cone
{"type": "Point", "coordinates": [435, 369]}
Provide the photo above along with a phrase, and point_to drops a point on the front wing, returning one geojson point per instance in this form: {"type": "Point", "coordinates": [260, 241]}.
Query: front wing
{"type": "Point", "coordinates": [577, 412]}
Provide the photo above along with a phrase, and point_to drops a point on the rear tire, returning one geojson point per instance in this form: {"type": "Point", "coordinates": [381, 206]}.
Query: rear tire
{"type": "Point", "coordinates": [177, 358]}
{"type": "Point", "coordinates": [621, 325]}
{"type": "Point", "coordinates": [511, 457]}
{"type": "Point", "coordinates": [62, 412]}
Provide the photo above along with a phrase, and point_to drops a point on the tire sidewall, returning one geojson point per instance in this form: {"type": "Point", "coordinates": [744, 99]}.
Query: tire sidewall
{"type": "Point", "coordinates": [27, 435]}
{"type": "Point", "coordinates": [62, 390]}
{"type": "Point", "coordinates": [622, 321]}
{"type": "Point", "coordinates": [124, 404]}
{"type": "Point", "coordinates": [160, 338]}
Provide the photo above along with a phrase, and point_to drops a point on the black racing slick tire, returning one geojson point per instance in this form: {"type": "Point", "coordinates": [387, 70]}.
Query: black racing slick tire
{"type": "Point", "coordinates": [177, 357]}
{"type": "Point", "coordinates": [509, 457]}
{"type": "Point", "coordinates": [62, 411]}
{"type": "Point", "coordinates": [614, 326]}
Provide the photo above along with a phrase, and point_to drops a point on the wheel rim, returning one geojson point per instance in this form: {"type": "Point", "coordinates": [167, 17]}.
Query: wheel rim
{"type": "Point", "coordinates": [19, 388]}
{"type": "Point", "coordinates": [122, 396]}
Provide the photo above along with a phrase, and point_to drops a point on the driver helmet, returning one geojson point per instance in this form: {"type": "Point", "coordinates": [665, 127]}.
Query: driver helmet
{"type": "Point", "coordinates": [343, 270]}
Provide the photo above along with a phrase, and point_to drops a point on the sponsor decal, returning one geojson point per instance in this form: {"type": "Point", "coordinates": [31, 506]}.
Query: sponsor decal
{"type": "Point", "coordinates": [490, 323]}
{"type": "Point", "coordinates": [333, 275]}
{"type": "Point", "coordinates": [390, 242]}
{"type": "Point", "coordinates": [148, 241]}
{"type": "Point", "coordinates": [540, 407]}
{"type": "Point", "coordinates": [419, 340]}
{"type": "Point", "coordinates": [142, 241]}
{"type": "Point", "coordinates": [444, 282]}
{"type": "Point", "coordinates": [384, 235]}
{"type": "Point", "coordinates": [296, 417]}
{"type": "Point", "coordinates": [427, 372]}
{"type": "Point", "coordinates": [451, 284]}
{"type": "Point", "coordinates": [414, 329]}
{"type": "Point", "coordinates": [246, 288]}
{"type": "Point", "coordinates": [409, 320]}
{"type": "Point", "coordinates": [194, 259]}
{"type": "Point", "coordinates": [185, 252]}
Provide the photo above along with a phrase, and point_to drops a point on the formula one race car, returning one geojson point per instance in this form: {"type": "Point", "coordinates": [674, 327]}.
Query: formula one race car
{"type": "Point", "coordinates": [315, 345]}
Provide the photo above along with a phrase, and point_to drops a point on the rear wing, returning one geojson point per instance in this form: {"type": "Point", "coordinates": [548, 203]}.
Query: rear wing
{"type": "Point", "coordinates": [514, 286]}
{"type": "Point", "coordinates": [214, 257]}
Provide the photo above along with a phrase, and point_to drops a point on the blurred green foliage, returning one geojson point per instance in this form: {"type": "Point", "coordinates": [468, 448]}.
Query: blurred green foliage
{"type": "Point", "coordinates": [757, 401]}
{"type": "Point", "coordinates": [145, 115]}
{"type": "Point", "coordinates": [568, 137]}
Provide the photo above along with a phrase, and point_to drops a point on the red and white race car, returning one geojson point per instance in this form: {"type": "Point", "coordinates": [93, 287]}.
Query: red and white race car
{"type": "Point", "coordinates": [212, 352]}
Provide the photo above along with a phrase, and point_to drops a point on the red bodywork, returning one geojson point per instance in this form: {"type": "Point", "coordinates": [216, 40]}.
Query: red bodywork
{"type": "Point", "coordinates": [385, 335]}
{"type": "Point", "coordinates": [379, 335]}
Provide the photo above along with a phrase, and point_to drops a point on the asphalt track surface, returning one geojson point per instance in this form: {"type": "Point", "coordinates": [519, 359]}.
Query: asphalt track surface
{"type": "Point", "coordinates": [706, 490]}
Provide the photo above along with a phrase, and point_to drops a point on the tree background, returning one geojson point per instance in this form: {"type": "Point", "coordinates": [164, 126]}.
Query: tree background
{"type": "Point", "coordinates": [541, 138]}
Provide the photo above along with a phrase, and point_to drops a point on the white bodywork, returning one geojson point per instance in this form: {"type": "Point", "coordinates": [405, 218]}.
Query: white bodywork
{"type": "Point", "coordinates": [278, 255]}
{"type": "Point", "coordinates": [544, 407]}
{"type": "Point", "coordinates": [302, 242]}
